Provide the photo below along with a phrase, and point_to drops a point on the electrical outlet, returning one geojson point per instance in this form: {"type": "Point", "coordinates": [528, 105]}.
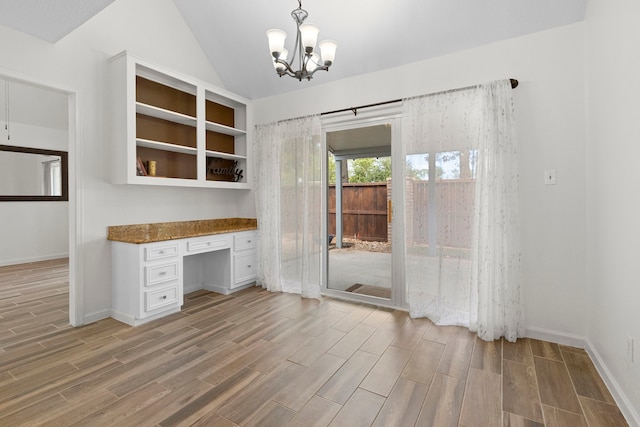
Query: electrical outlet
{"type": "Point", "coordinates": [550, 177]}
{"type": "Point", "coordinates": [630, 349]}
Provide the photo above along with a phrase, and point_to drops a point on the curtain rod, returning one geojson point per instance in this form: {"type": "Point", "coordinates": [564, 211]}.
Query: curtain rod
{"type": "Point", "coordinates": [354, 110]}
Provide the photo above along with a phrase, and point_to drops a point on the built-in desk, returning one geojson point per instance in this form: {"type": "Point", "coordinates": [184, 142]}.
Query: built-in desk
{"type": "Point", "coordinates": [154, 265]}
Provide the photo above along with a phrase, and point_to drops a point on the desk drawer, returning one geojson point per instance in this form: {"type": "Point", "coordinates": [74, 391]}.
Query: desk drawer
{"type": "Point", "coordinates": [244, 267]}
{"type": "Point", "coordinates": [213, 243]}
{"type": "Point", "coordinates": [160, 252]}
{"type": "Point", "coordinates": [161, 273]}
{"type": "Point", "coordinates": [245, 241]}
{"type": "Point", "coordinates": [156, 299]}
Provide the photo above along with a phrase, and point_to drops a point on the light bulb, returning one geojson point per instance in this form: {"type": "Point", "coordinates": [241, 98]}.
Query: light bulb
{"type": "Point", "coordinates": [276, 41]}
{"type": "Point", "coordinates": [328, 51]}
{"type": "Point", "coordinates": [309, 34]}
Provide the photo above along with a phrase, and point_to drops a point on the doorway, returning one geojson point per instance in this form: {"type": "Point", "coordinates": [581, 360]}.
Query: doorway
{"type": "Point", "coordinates": [359, 213]}
{"type": "Point", "coordinates": [38, 115]}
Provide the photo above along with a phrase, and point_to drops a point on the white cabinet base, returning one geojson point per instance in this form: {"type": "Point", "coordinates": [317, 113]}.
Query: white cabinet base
{"type": "Point", "coordinates": [224, 290]}
{"type": "Point", "coordinates": [149, 280]}
{"type": "Point", "coordinates": [134, 321]}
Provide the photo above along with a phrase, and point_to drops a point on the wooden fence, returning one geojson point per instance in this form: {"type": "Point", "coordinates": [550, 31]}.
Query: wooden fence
{"type": "Point", "coordinates": [364, 211]}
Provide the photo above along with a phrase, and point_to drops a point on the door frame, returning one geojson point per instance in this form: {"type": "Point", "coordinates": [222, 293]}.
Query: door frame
{"type": "Point", "coordinates": [389, 114]}
{"type": "Point", "coordinates": [76, 290]}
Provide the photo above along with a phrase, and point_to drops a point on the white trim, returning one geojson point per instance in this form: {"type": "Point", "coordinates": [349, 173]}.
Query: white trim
{"type": "Point", "coordinates": [563, 338]}
{"type": "Point", "coordinates": [76, 289]}
{"type": "Point", "coordinates": [98, 315]}
{"type": "Point", "coordinates": [33, 259]}
{"type": "Point", "coordinates": [627, 409]}
{"type": "Point", "coordinates": [225, 290]}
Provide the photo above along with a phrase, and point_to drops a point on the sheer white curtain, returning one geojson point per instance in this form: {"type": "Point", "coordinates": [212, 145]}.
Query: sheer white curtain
{"type": "Point", "coordinates": [288, 202]}
{"type": "Point", "coordinates": [462, 253]}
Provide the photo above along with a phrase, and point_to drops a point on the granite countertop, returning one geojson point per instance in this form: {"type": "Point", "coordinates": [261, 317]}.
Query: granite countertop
{"type": "Point", "coordinates": [158, 232]}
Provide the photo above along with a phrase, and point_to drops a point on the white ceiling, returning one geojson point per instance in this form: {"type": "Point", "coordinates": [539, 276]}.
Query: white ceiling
{"type": "Point", "coordinates": [371, 34]}
{"type": "Point", "coordinates": [49, 20]}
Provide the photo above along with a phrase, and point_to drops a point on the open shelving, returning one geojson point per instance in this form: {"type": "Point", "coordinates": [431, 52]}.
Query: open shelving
{"type": "Point", "coordinates": [194, 132]}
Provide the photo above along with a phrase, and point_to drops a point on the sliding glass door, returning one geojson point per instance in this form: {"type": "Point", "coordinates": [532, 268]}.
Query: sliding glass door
{"type": "Point", "coordinates": [360, 252]}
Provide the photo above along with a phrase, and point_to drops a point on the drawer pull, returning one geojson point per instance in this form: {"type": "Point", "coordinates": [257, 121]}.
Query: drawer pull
{"type": "Point", "coordinates": [162, 273]}
{"type": "Point", "coordinates": [249, 266]}
{"type": "Point", "coordinates": [161, 252]}
{"type": "Point", "coordinates": [249, 241]}
{"type": "Point", "coordinates": [163, 297]}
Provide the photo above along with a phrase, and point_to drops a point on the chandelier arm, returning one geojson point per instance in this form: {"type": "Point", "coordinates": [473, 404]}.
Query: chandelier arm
{"type": "Point", "coordinates": [286, 64]}
{"type": "Point", "coordinates": [322, 68]}
{"type": "Point", "coordinates": [300, 49]}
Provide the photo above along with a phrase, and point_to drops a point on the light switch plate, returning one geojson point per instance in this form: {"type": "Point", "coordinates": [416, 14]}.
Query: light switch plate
{"type": "Point", "coordinates": [550, 177]}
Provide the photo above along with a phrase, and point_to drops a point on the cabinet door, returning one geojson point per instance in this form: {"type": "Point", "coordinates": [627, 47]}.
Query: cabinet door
{"type": "Point", "coordinates": [244, 267]}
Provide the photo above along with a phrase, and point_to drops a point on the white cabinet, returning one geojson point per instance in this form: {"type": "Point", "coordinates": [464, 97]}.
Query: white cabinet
{"type": "Point", "coordinates": [146, 281]}
{"type": "Point", "coordinates": [149, 279]}
{"type": "Point", "coordinates": [185, 131]}
{"type": "Point", "coordinates": [244, 258]}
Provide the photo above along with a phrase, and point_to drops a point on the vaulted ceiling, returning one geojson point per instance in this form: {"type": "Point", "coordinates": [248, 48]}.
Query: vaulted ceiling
{"type": "Point", "coordinates": [371, 34]}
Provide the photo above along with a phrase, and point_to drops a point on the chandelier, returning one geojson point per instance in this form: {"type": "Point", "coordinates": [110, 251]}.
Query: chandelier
{"type": "Point", "coordinates": [306, 36]}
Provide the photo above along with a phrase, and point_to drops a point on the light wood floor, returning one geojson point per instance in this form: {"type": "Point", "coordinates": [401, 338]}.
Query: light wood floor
{"type": "Point", "coordinates": [266, 359]}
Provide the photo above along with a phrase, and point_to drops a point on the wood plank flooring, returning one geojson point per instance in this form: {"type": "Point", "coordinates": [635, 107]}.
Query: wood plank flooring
{"type": "Point", "coordinates": [267, 359]}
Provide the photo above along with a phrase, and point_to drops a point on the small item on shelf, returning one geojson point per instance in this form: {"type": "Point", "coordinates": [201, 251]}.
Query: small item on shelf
{"type": "Point", "coordinates": [224, 169]}
{"type": "Point", "coordinates": [152, 167]}
{"type": "Point", "coordinates": [140, 169]}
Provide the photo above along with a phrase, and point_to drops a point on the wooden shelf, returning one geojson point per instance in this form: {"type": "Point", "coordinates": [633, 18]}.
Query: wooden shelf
{"type": "Point", "coordinates": [226, 130]}
{"type": "Point", "coordinates": [227, 156]}
{"type": "Point", "coordinates": [166, 146]}
{"type": "Point", "coordinates": [161, 113]}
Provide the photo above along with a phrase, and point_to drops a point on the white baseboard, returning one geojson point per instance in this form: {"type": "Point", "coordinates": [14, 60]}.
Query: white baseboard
{"type": "Point", "coordinates": [94, 317]}
{"type": "Point", "coordinates": [563, 338]}
{"type": "Point", "coordinates": [627, 409]}
{"type": "Point", "coordinates": [33, 259]}
{"type": "Point", "coordinates": [629, 412]}
{"type": "Point", "coordinates": [133, 321]}
{"type": "Point", "coordinates": [225, 290]}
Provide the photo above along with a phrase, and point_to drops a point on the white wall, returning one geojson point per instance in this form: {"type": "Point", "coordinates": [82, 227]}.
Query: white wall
{"type": "Point", "coordinates": [613, 154]}
{"type": "Point", "coordinates": [34, 231]}
{"type": "Point", "coordinates": [551, 129]}
{"type": "Point", "coordinates": [153, 30]}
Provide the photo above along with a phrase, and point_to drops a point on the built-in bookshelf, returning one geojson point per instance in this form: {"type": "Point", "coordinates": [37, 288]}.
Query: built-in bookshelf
{"type": "Point", "coordinates": [170, 129]}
